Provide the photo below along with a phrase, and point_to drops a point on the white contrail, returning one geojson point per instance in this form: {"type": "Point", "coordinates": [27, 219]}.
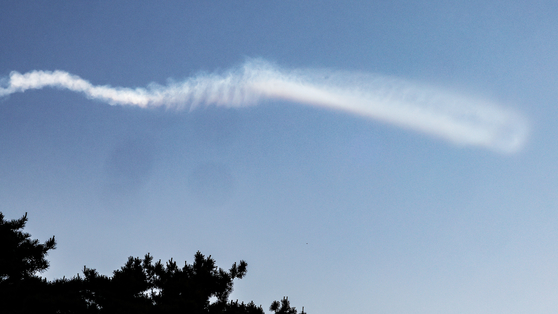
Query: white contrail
{"type": "Point", "coordinates": [455, 118]}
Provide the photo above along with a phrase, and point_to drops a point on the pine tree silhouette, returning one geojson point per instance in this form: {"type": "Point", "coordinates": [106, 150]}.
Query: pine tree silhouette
{"type": "Point", "coordinates": [140, 286]}
{"type": "Point", "coordinates": [284, 307]}
{"type": "Point", "coordinates": [21, 257]}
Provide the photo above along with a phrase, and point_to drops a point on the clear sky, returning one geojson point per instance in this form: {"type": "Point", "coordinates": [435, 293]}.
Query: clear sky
{"type": "Point", "coordinates": [382, 157]}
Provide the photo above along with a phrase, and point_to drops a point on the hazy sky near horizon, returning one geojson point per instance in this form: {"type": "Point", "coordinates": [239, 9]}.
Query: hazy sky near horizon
{"type": "Point", "coordinates": [371, 157]}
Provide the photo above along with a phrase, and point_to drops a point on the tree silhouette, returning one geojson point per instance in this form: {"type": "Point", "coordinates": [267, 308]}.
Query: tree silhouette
{"type": "Point", "coordinates": [20, 260]}
{"type": "Point", "coordinates": [284, 307]}
{"type": "Point", "coordinates": [140, 286]}
{"type": "Point", "coordinates": [21, 257]}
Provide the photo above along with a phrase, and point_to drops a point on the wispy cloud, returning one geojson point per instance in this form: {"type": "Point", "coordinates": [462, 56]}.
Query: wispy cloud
{"type": "Point", "coordinates": [456, 118]}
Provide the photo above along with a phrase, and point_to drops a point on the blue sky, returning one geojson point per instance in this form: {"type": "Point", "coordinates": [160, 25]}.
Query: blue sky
{"type": "Point", "coordinates": [340, 211]}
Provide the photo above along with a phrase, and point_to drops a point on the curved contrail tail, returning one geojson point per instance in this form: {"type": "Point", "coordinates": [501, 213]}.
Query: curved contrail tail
{"type": "Point", "coordinates": [455, 118]}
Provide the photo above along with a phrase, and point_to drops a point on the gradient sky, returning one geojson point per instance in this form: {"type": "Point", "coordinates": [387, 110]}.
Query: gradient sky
{"type": "Point", "coordinates": [342, 213]}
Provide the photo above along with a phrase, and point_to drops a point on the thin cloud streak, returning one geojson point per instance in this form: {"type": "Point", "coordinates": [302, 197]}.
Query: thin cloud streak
{"type": "Point", "coordinates": [455, 118]}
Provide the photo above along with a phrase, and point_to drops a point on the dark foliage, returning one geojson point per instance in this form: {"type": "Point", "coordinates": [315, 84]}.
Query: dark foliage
{"type": "Point", "coordinates": [284, 307]}
{"type": "Point", "coordinates": [22, 257]}
{"type": "Point", "coordinates": [140, 286]}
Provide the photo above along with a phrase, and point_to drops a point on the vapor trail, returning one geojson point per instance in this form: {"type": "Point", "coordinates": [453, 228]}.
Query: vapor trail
{"type": "Point", "coordinates": [455, 118]}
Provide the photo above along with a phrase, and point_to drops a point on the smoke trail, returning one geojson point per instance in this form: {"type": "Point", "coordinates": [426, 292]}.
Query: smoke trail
{"type": "Point", "coordinates": [449, 116]}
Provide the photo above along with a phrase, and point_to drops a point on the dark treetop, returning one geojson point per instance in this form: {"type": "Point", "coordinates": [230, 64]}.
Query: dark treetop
{"type": "Point", "coordinates": [140, 286]}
